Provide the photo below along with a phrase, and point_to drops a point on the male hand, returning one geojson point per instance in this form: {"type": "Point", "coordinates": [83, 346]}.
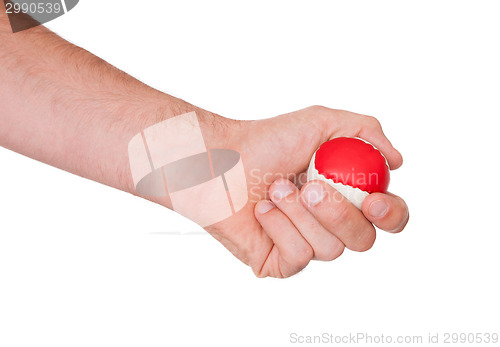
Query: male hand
{"type": "Point", "coordinates": [284, 226]}
{"type": "Point", "coordinates": [76, 112]}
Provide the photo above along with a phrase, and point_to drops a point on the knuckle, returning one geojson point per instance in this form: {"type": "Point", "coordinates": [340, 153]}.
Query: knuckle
{"type": "Point", "coordinates": [317, 108]}
{"type": "Point", "coordinates": [303, 255]}
{"type": "Point", "coordinates": [331, 253]}
{"type": "Point", "coordinates": [339, 215]}
{"type": "Point", "coordinates": [365, 241]}
{"type": "Point", "coordinates": [373, 122]}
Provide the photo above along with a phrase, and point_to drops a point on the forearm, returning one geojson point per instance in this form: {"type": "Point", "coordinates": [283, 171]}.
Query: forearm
{"type": "Point", "coordinates": [66, 107]}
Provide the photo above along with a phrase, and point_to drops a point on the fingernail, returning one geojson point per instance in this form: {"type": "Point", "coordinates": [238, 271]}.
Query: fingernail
{"type": "Point", "coordinates": [281, 190]}
{"type": "Point", "coordinates": [265, 206]}
{"type": "Point", "coordinates": [378, 208]}
{"type": "Point", "coordinates": [313, 194]}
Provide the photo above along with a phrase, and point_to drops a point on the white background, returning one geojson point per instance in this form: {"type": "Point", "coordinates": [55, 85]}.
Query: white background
{"type": "Point", "coordinates": [85, 265]}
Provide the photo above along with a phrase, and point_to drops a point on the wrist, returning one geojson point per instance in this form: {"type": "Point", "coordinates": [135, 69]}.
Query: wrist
{"type": "Point", "coordinates": [166, 136]}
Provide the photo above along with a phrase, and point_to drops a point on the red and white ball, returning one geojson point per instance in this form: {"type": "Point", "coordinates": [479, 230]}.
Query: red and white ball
{"type": "Point", "coordinates": [352, 166]}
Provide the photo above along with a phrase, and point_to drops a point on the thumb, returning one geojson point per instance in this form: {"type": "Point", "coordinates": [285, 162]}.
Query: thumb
{"type": "Point", "coordinates": [386, 211]}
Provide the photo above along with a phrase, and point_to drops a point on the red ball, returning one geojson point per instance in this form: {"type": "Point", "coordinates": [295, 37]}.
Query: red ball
{"type": "Point", "coordinates": [352, 166]}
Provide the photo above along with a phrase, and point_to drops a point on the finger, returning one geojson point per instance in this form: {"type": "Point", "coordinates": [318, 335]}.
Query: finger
{"type": "Point", "coordinates": [371, 131]}
{"type": "Point", "coordinates": [286, 197]}
{"type": "Point", "coordinates": [294, 253]}
{"type": "Point", "coordinates": [338, 215]}
{"type": "Point", "coordinates": [365, 127]}
{"type": "Point", "coordinates": [387, 211]}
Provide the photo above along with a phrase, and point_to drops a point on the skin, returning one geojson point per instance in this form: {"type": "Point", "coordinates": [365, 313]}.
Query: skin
{"type": "Point", "coordinates": [68, 108]}
{"type": "Point", "coordinates": [284, 226]}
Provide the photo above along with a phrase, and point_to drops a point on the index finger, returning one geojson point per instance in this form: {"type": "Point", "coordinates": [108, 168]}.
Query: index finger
{"type": "Point", "coordinates": [369, 128]}
{"type": "Point", "coordinates": [371, 131]}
